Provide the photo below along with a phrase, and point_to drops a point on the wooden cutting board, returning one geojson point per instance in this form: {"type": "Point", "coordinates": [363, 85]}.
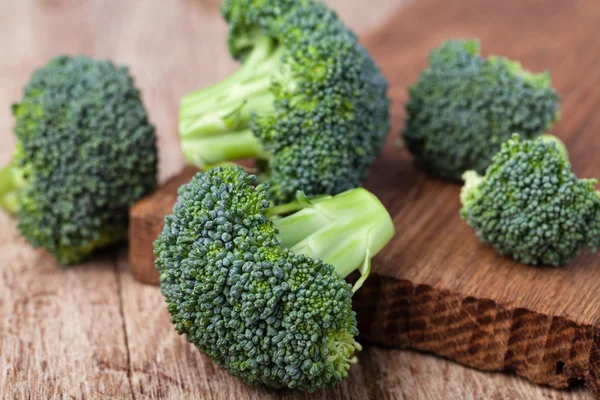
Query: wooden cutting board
{"type": "Point", "coordinates": [435, 287]}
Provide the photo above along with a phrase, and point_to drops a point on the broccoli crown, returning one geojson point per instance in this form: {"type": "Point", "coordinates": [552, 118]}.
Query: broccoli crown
{"type": "Point", "coordinates": [463, 107]}
{"type": "Point", "coordinates": [261, 311]}
{"type": "Point", "coordinates": [530, 206]}
{"type": "Point", "coordinates": [309, 93]}
{"type": "Point", "coordinates": [85, 153]}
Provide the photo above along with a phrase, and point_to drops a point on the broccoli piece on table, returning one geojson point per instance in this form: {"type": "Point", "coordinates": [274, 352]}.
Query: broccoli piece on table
{"type": "Point", "coordinates": [85, 152]}
{"type": "Point", "coordinates": [530, 206]}
{"type": "Point", "coordinates": [308, 103]}
{"type": "Point", "coordinates": [464, 106]}
{"type": "Point", "coordinates": [260, 289]}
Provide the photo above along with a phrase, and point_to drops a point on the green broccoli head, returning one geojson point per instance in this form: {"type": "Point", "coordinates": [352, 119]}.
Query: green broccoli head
{"type": "Point", "coordinates": [85, 153]}
{"type": "Point", "coordinates": [463, 107]}
{"type": "Point", "coordinates": [261, 294]}
{"type": "Point", "coordinates": [308, 103]}
{"type": "Point", "coordinates": [530, 206]}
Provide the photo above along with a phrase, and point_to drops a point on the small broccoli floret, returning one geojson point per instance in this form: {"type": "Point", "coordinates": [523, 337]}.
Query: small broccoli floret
{"type": "Point", "coordinates": [85, 152]}
{"type": "Point", "coordinates": [261, 293]}
{"type": "Point", "coordinates": [530, 206]}
{"type": "Point", "coordinates": [308, 102]}
{"type": "Point", "coordinates": [463, 107]}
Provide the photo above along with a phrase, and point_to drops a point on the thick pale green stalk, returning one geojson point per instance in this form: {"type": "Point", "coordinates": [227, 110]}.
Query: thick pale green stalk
{"type": "Point", "coordinates": [11, 180]}
{"type": "Point", "coordinates": [262, 51]}
{"type": "Point", "coordinates": [214, 122]}
{"type": "Point", "coordinates": [227, 118]}
{"type": "Point", "coordinates": [301, 202]}
{"type": "Point", "coordinates": [345, 231]}
{"type": "Point", "coordinates": [237, 95]}
{"type": "Point", "coordinates": [212, 150]}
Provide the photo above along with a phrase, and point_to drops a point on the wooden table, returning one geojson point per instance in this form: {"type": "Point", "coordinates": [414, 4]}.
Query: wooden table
{"type": "Point", "coordinates": [92, 331]}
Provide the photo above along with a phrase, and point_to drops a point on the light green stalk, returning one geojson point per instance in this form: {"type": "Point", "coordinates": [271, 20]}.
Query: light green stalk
{"type": "Point", "coordinates": [212, 150]}
{"type": "Point", "coordinates": [11, 180]}
{"type": "Point", "coordinates": [214, 122]}
{"type": "Point", "coordinates": [345, 231]}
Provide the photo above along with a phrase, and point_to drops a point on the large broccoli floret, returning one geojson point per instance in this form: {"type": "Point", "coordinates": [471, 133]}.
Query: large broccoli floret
{"type": "Point", "coordinates": [85, 152]}
{"type": "Point", "coordinates": [530, 206]}
{"type": "Point", "coordinates": [308, 102]}
{"type": "Point", "coordinates": [261, 294]}
{"type": "Point", "coordinates": [463, 107]}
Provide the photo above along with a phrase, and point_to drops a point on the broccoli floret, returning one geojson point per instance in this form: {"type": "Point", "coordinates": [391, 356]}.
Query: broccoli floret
{"type": "Point", "coordinates": [530, 206]}
{"type": "Point", "coordinates": [263, 293]}
{"type": "Point", "coordinates": [464, 106]}
{"type": "Point", "coordinates": [308, 102]}
{"type": "Point", "coordinates": [85, 152]}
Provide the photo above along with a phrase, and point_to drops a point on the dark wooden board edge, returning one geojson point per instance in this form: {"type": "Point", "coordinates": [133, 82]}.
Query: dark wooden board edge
{"type": "Point", "coordinates": [146, 220]}
{"type": "Point", "coordinates": [479, 333]}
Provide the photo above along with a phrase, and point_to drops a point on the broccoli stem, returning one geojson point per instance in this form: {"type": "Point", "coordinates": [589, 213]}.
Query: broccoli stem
{"type": "Point", "coordinates": [262, 51]}
{"type": "Point", "coordinates": [11, 180]}
{"type": "Point", "coordinates": [341, 347]}
{"type": "Point", "coordinates": [212, 150]}
{"type": "Point", "coordinates": [221, 104]}
{"type": "Point", "coordinates": [301, 202]}
{"type": "Point", "coordinates": [345, 230]}
{"type": "Point", "coordinates": [212, 120]}
{"type": "Point", "coordinates": [227, 118]}
{"type": "Point", "coordinates": [470, 190]}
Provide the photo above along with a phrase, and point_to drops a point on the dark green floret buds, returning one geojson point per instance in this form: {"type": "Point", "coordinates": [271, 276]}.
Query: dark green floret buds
{"type": "Point", "coordinates": [464, 106]}
{"type": "Point", "coordinates": [530, 206]}
{"type": "Point", "coordinates": [261, 289]}
{"type": "Point", "coordinates": [85, 152]}
{"type": "Point", "coordinates": [308, 103]}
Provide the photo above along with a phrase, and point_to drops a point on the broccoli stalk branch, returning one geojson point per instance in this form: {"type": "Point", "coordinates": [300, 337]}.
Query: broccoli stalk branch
{"type": "Point", "coordinates": [214, 122]}
{"type": "Point", "coordinates": [345, 230]}
{"type": "Point", "coordinates": [11, 180]}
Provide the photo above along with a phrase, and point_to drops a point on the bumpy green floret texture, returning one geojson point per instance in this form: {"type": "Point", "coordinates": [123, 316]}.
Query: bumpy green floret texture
{"type": "Point", "coordinates": [464, 106]}
{"type": "Point", "coordinates": [262, 312]}
{"type": "Point", "coordinates": [531, 207]}
{"type": "Point", "coordinates": [322, 114]}
{"type": "Point", "coordinates": [86, 152]}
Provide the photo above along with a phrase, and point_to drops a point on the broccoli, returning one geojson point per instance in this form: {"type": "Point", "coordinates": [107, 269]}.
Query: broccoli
{"type": "Point", "coordinates": [85, 152]}
{"type": "Point", "coordinates": [260, 289]}
{"type": "Point", "coordinates": [308, 103]}
{"type": "Point", "coordinates": [463, 107]}
{"type": "Point", "coordinates": [530, 206]}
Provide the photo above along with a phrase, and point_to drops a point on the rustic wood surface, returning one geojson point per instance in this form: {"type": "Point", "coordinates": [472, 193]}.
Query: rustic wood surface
{"type": "Point", "coordinates": [92, 331]}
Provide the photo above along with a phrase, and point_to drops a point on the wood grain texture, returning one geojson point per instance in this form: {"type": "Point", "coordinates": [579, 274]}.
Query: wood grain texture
{"type": "Point", "coordinates": [435, 287]}
{"type": "Point", "coordinates": [58, 335]}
